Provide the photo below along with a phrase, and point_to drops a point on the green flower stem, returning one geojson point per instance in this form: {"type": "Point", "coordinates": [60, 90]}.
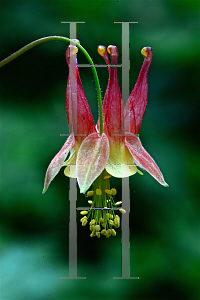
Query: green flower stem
{"type": "Point", "coordinates": [61, 38]}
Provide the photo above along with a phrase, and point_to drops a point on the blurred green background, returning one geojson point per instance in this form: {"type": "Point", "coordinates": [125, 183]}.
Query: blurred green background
{"type": "Point", "coordinates": [164, 222]}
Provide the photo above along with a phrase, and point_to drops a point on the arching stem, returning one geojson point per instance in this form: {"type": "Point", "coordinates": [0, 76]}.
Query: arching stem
{"type": "Point", "coordinates": [61, 38]}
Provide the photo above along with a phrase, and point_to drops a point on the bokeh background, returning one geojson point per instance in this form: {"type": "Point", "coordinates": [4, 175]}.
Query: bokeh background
{"type": "Point", "coordinates": [164, 222]}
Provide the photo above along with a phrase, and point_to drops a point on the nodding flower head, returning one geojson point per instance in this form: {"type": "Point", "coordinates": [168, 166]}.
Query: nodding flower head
{"type": "Point", "coordinates": [93, 159]}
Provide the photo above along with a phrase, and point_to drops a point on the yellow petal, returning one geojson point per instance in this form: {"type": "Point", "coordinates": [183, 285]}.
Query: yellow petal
{"type": "Point", "coordinates": [72, 154]}
{"type": "Point", "coordinates": [70, 170]}
{"type": "Point", "coordinates": [120, 163]}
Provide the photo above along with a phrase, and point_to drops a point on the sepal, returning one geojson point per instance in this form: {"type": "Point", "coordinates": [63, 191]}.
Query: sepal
{"type": "Point", "coordinates": [143, 159]}
{"type": "Point", "coordinates": [57, 162]}
{"type": "Point", "coordinates": [92, 158]}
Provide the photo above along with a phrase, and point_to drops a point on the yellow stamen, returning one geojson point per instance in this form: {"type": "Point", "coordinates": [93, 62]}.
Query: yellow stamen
{"type": "Point", "coordinates": [111, 222]}
{"type": "Point", "coordinates": [90, 202]}
{"type": "Point", "coordinates": [98, 192]}
{"type": "Point", "coordinates": [118, 203]}
{"type": "Point", "coordinates": [101, 49]}
{"type": "Point", "coordinates": [93, 233]}
{"type": "Point", "coordinates": [97, 227]}
{"type": "Point", "coordinates": [84, 212]}
{"type": "Point", "coordinates": [90, 193]}
{"type": "Point", "coordinates": [114, 191]}
{"type": "Point", "coordinates": [108, 233]}
{"type": "Point", "coordinates": [101, 220]}
{"type": "Point", "coordinates": [98, 234]}
{"type": "Point", "coordinates": [92, 222]}
{"type": "Point", "coordinates": [92, 228]}
{"type": "Point", "coordinates": [111, 216]}
{"type": "Point", "coordinates": [117, 217]}
{"type": "Point", "coordinates": [84, 222]}
{"type": "Point", "coordinates": [116, 223]}
{"type": "Point", "coordinates": [107, 177]}
{"type": "Point", "coordinates": [113, 232]}
{"type": "Point", "coordinates": [144, 51]}
{"type": "Point", "coordinates": [109, 192]}
{"type": "Point", "coordinates": [122, 210]}
{"type": "Point", "coordinates": [83, 219]}
{"type": "Point", "coordinates": [103, 231]}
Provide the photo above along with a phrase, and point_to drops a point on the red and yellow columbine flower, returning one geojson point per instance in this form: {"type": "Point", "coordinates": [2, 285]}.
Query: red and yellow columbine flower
{"type": "Point", "coordinates": [88, 151]}
{"type": "Point", "coordinates": [122, 125]}
{"type": "Point", "coordinates": [93, 158]}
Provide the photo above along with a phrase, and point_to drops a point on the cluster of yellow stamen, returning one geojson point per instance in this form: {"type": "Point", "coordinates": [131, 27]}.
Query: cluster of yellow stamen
{"type": "Point", "coordinates": [107, 230]}
{"type": "Point", "coordinates": [103, 218]}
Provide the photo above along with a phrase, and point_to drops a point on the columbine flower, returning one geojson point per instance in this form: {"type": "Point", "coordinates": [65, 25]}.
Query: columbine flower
{"type": "Point", "coordinates": [93, 158]}
{"type": "Point", "coordinates": [88, 151]}
{"type": "Point", "coordinates": [122, 126]}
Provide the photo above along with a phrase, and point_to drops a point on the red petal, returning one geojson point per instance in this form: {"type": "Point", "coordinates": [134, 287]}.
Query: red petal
{"type": "Point", "coordinates": [92, 158]}
{"type": "Point", "coordinates": [78, 111]}
{"type": "Point", "coordinates": [143, 159]}
{"type": "Point", "coordinates": [58, 161]}
{"type": "Point", "coordinates": [136, 105]}
{"type": "Point", "coordinates": [112, 103]}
